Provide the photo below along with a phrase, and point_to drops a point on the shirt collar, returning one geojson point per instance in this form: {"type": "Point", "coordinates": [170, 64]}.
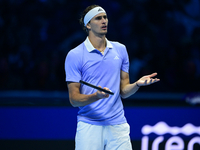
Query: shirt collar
{"type": "Point", "coordinates": [90, 47]}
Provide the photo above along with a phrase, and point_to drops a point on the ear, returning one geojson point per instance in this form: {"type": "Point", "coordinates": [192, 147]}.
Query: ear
{"type": "Point", "coordinates": [88, 26]}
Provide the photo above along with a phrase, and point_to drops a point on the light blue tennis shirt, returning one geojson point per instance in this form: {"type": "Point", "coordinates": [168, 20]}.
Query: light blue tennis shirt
{"type": "Point", "coordinates": [88, 64]}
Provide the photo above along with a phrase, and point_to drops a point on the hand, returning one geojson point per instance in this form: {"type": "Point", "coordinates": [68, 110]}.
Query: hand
{"type": "Point", "coordinates": [102, 94]}
{"type": "Point", "coordinates": [147, 80]}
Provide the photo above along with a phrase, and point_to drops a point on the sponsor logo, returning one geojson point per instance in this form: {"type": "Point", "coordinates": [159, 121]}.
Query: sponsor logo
{"type": "Point", "coordinates": [116, 57]}
{"type": "Point", "coordinates": [173, 143]}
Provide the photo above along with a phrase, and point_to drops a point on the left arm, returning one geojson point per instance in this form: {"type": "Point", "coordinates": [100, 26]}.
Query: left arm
{"type": "Point", "coordinates": [127, 89]}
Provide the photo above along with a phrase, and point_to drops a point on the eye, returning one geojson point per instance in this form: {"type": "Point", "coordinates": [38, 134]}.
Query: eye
{"type": "Point", "coordinates": [98, 18]}
{"type": "Point", "coordinates": [105, 17]}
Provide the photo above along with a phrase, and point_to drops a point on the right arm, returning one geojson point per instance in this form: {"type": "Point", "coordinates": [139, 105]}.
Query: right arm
{"type": "Point", "coordinates": [77, 99]}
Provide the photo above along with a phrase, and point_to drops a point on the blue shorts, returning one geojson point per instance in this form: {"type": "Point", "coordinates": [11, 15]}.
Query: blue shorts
{"type": "Point", "coordinates": [94, 137]}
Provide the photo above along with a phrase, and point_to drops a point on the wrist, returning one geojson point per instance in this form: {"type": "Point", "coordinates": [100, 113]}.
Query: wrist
{"type": "Point", "coordinates": [137, 84]}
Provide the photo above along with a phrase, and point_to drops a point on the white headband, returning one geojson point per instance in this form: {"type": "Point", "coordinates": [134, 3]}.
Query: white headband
{"type": "Point", "coordinates": [93, 12]}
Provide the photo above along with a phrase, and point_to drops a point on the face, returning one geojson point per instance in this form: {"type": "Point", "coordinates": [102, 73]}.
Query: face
{"type": "Point", "coordinates": [98, 24]}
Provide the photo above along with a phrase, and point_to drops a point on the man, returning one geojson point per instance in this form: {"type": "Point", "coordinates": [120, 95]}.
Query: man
{"type": "Point", "coordinates": [101, 121]}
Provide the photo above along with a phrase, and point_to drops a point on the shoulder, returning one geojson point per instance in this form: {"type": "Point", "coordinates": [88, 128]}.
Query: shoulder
{"type": "Point", "coordinates": [77, 50]}
{"type": "Point", "coordinates": [119, 48]}
{"type": "Point", "coordinates": [116, 44]}
{"type": "Point", "coordinates": [75, 54]}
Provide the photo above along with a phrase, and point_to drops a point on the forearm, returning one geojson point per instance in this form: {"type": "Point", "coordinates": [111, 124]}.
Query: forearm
{"type": "Point", "coordinates": [129, 90]}
{"type": "Point", "coordinates": [78, 100]}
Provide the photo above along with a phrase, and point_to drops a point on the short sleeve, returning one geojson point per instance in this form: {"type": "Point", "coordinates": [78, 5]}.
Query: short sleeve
{"type": "Point", "coordinates": [125, 60]}
{"type": "Point", "coordinates": [73, 67]}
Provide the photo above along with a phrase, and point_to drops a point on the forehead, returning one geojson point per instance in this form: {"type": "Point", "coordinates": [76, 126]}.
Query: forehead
{"type": "Point", "coordinates": [101, 14]}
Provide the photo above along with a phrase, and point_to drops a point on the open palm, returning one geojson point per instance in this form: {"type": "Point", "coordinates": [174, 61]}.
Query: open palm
{"type": "Point", "coordinates": [147, 80]}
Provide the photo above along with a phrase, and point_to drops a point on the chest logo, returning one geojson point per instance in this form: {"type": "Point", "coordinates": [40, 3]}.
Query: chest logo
{"type": "Point", "coordinates": [116, 57]}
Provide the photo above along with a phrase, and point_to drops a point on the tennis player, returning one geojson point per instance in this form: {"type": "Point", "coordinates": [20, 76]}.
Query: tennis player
{"type": "Point", "coordinates": [101, 121]}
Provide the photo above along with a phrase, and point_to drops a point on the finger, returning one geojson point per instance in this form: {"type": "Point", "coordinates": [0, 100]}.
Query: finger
{"type": "Point", "coordinates": [107, 95]}
{"type": "Point", "coordinates": [153, 74]}
{"type": "Point", "coordinates": [145, 82]}
{"type": "Point", "coordinates": [103, 93]}
{"type": "Point", "coordinates": [100, 92]}
{"type": "Point", "coordinates": [151, 81]}
{"type": "Point", "coordinates": [106, 88]}
{"type": "Point", "coordinates": [155, 80]}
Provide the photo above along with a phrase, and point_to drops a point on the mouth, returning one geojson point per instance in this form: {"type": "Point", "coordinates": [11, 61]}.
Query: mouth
{"type": "Point", "coordinates": [104, 27]}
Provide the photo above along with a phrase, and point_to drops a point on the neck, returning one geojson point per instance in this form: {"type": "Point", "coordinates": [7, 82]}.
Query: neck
{"type": "Point", "coordinates": [99, 42]}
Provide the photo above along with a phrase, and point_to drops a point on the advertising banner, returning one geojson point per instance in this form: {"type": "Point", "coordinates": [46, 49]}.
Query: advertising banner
{"type": "Point", "coordinates": [156, 128]}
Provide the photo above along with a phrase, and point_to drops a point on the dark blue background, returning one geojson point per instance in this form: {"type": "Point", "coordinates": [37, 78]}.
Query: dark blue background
{"type": "Point", "coordinates": [160, 36]}
{"type": "Point", "coordinates": [59, 123]}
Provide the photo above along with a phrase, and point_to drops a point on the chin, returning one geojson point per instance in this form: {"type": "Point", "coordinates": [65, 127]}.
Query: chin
{"type": "Point", "coordinates": [104, 32]}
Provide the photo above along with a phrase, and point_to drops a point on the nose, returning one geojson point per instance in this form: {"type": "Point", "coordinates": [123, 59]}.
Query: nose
{"type": "Point", "coordinates": [103, 20]}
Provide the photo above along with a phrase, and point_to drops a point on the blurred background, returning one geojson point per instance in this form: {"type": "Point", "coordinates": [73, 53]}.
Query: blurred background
{"type": "Point", "coordinates": [36, 35]}
{"type": "Point", "coordinates": [161, 36]}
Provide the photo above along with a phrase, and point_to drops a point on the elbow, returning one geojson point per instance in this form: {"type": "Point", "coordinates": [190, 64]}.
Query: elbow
{"type": "Point", "coordinates": [74, 103]}
{"type": "Point", "coordinates": [123, 95]}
